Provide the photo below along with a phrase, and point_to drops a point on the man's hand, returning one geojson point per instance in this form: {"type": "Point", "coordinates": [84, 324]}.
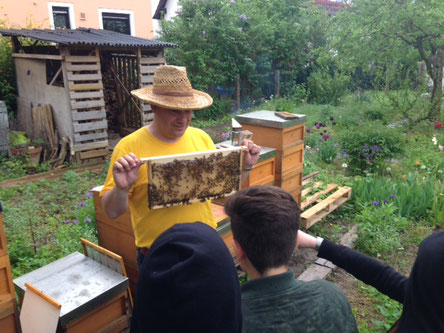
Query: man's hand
{"type": "Point", "coordinates": [125, 171]}
{"type": "Point", "coordinates": [252, 155]}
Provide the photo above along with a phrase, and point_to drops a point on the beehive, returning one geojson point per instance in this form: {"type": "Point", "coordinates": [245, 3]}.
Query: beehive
{"type": "Point", "coordinates": [287, 137]}
{"type": "Point", "coordinates": [8, 305]}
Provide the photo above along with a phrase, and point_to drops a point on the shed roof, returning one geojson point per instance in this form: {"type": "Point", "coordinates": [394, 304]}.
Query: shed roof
{"type": "Point", "coordinates": [85, 36]}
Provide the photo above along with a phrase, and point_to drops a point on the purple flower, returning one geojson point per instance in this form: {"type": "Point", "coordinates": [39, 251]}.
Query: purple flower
{"type": "Point", "coordinates": [308, 130]}
{"type": "Point", "coordinates": [87, 220]}
{"type": "Point", "coordinates": [326, 137]}
{"type": "Point", "coordinates": [67, 222]}
{"type": "Point", "coordinates": [240, 29]}
{"type": "Point", "coordinates": [81, 204]}
{"type": "Point", "coordinates": [393, 196]}
{"type": "Point", "coordinates": [232, 2]}
{"type": "Point", "coordinates": [317, 125]}
{"type": "Point", "coordinates": [243, 17]}
{"type": "Point", "coordinates": [376, 148]}
{"type": "Point", "coordinates": [89, 195]}
{"type": "Point", "coordinates": [375, 203]}
{"type": "Point", "coordinates": [75, 221]}
{"type": "Point", "coordinates": [386, 201]}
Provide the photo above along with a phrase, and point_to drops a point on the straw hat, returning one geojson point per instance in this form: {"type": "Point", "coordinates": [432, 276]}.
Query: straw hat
{"type": "Point", "coordinates": [172, 90]}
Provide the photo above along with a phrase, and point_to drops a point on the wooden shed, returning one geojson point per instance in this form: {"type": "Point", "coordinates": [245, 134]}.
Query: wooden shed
{"type": "Point", "coordinates": [86, 76]}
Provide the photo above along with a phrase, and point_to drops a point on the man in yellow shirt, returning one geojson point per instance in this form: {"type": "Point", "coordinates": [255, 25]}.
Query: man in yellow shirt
{"type": "Point", "coordinates": [172, 100]}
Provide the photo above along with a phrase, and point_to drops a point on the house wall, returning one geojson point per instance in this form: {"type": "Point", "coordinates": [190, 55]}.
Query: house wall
{"type": "Point", "coordinates": [35, 13]}
{"type": "Point", "coordinates": [33, 90]}
{"type": "Point", "coordinates": [171, 10]}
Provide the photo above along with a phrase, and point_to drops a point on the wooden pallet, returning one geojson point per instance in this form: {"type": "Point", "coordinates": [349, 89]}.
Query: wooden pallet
{"type": "Point", "coordinates": [314, 208]}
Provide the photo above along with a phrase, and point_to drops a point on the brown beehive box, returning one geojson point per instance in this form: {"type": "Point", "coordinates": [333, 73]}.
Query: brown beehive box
{"type": "Point", "coordinates": [192, 177]}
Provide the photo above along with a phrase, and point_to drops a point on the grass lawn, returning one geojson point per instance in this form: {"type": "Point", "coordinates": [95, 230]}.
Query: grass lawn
{"type": "Point", "coordinates": [396, 173]}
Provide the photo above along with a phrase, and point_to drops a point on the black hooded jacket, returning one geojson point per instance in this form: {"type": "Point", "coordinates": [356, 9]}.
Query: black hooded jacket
{"type": "Point", "coordinates": [422, 294]}
{"type": "Point", "coordinates": [188, 283]}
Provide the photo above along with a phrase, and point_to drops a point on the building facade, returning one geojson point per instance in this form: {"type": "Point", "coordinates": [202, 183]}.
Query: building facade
{"type": "Point", "coordinates": [131, 17]}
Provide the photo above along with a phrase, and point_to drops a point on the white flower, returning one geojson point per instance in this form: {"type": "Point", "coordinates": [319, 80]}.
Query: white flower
{"type": "Point", "coordinates": [435, 140]}
{"type": "Point", "coordinates": [388, 169]}
{"type": "Point", "coordinates": [344, 165]}
{"type": "Point", "coordinates": [423, 167]}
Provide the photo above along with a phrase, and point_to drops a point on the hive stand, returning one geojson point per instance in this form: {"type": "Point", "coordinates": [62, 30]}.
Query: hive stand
{"type": "Point", "coordinates": [287, 137]}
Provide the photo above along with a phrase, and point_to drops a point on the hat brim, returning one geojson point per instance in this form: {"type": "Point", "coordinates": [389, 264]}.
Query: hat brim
{"type": "Point", "coordinates": [197, 101]}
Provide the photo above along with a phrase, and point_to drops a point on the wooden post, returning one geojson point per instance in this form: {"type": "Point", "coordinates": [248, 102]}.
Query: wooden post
{"type": "Point", "coordinates": [277, 82]}
{"type": "Point", "coordinates": [4, 128]}
{"type": "Point", "coordinates": [238, 92]}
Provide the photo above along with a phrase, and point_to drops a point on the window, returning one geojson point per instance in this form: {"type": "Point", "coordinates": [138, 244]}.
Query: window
{"type": "Point", "coordinates": [117, 20]}
{"type": "Point", "coordinates": [61, 15]}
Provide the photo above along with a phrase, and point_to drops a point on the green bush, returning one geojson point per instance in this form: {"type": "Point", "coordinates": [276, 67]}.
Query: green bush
{"type": "Point", "coordinates": [374, 114]}
{"type": "Point", "coordinates": [218, 109]}
{"type": "Point", "coordinates": [285, 104]}
{"type": "Point", "coordinates": [366, 149]}
{"type": "Point", "coordinates": [327, 88]}
{"type": "Point", "coordinates": [379, 229]}
{"type": "Point", "coordinates": [8, 90]}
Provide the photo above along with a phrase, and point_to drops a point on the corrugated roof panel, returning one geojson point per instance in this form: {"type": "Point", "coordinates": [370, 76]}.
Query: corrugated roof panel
{"type": "Point", "coordinates": [85, 36]}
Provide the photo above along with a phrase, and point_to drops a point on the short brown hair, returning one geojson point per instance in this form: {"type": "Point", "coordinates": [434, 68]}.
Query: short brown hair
{"type": "Point", "coordinates": [265, 222]}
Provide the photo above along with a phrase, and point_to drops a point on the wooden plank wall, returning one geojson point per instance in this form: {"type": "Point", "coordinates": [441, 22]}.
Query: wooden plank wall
{"type": "Point", "coordinates": [87, 105]}
{"type": "Point", "coordinates": [125, 67]}
{"type": "Point", "coordinates": [147, 67]}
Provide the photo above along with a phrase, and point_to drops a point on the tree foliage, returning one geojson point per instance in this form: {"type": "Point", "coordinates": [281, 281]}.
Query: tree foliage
{"type": "Point", "coordinates": [7, 73]}
{"type": "Point", "coordinates": [377, 34]}
{"type": "Point", "coordinates": [221, 39]}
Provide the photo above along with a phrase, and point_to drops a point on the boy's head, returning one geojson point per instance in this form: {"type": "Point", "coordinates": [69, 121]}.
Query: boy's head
{"type": "Point", "coordinates": [265, 222]}
{"type": "Point", "coordinates": [188, 283]}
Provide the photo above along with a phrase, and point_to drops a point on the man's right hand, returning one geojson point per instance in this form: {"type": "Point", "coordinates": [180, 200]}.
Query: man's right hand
{"type": "Point", "coordinates": [125, 171]}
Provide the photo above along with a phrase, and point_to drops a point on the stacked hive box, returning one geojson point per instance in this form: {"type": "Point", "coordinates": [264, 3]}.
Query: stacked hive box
{"type": "Point", "coordinates": [8, 305]}
{"type": "Point", "coordinates": [287, 137]}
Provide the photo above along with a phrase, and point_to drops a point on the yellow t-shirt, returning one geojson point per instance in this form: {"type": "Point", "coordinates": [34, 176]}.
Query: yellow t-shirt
{"type": "Point", "coordinates": [149, 224]}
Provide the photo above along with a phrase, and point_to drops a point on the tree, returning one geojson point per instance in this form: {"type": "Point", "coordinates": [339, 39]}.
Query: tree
{"type": "Point", "coordinates": [221, 39]}
{"type": "Point", "coordinates": [371, 32]}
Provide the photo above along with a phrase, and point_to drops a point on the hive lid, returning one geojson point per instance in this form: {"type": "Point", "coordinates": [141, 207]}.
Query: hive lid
{"type": "Point", "coordinates": [77, 282]}
{"type": "Point", "coordinates": [269, 119]}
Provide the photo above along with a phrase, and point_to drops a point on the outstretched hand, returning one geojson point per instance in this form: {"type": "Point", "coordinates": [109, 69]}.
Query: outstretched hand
{"type": "Point", "coordinates": [253, 152]}
{"type": "Point", "coordinates": [125, 171]}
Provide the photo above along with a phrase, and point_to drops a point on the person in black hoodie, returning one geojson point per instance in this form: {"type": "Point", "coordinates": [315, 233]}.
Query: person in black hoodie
{"type": "Point", "coordinates": [188, 283]}
{"type": "Point", "coordinates": [422, 293]}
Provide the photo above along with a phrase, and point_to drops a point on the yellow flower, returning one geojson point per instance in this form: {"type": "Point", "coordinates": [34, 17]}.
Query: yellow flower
{"type": "Point", "coordinates": [403, 177]}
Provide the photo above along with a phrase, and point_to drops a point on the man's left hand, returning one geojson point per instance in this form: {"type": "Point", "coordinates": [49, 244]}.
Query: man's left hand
{"type": "Point", "coordinates": [252, 155]}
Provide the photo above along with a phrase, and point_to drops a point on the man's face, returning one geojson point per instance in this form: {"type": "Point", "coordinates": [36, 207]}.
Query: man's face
{"type": "Point", "coordinates": [172, 124]}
